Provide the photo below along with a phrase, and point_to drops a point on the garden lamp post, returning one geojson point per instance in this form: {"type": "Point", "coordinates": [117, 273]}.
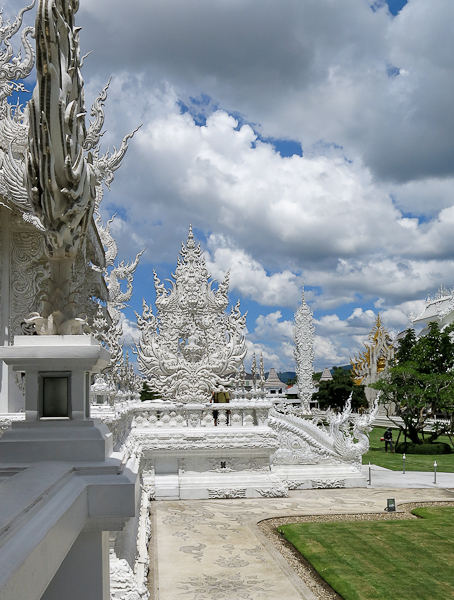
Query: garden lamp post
{"type": "Point", "coordinates": [403, 458]}
{"type": "Point", "coordinates": [435, 472]}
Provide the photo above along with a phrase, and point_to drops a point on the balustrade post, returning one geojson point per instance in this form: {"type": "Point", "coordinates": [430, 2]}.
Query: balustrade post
{"type": "Point", "coordinates": [222, 417]}
{"type": "Point", "coordinates": [248, 418]}
{"type": "Point", "coordinates": [236, 419]}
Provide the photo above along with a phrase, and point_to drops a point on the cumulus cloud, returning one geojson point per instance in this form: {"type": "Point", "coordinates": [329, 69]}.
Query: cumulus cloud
{"type": "Point", "coordinates": [270, 327]}
{"type": "Point", "coordinates": [378, 86]}
{"type": "Point", "coordinates": [249, 277]}
{"type": "Point", "coordinates": [131, 333]}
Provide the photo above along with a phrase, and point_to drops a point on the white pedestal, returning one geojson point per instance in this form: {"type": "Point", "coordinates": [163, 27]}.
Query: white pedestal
{"type": "Point", "coordinates": [321, 476]}
{"type": "Point", "coordinates": [63, 492]}
{"type": "Point", "coordinates": [76, 356]}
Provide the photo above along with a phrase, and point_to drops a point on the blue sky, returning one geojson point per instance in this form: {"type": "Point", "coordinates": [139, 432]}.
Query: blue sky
{"type": "Point", "coordinates": [307, 142]}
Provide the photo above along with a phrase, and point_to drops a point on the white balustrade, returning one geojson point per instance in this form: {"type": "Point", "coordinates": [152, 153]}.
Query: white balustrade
{"type": "Point", "coordinates": [167, 415]}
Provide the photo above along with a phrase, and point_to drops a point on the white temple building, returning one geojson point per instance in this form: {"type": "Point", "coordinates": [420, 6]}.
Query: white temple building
{"type": "Point", "coordinates": [274, 386]}
{"type": "Point", "coordinates": [368, 366]}
{"type": "Point", "coordinates": [440, 308]}
{"type": "Point", "coordinates": [326, 375]}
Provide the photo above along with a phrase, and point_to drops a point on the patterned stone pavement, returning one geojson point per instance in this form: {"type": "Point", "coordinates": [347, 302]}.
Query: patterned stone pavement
{"type": "Point", "coordinates": [213, 549]}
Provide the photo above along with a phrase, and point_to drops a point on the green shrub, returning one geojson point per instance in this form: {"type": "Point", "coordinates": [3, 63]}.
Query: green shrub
{"type": "Point", "coordinates": [435, 448]}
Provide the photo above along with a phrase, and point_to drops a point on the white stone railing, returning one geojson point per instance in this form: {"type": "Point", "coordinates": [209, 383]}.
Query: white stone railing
{"type": "Point", "coordinates": [6, 420]}
{"type": "Point", "coordinates": [167, 415]}
{"type": "Point", "coordinates": [118, 419]}
{"type": "Point", "coordinates": [248, 394]}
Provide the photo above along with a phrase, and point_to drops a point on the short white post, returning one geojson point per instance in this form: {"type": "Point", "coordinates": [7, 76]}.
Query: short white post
{"type": "Point", "coordinates": [403, 458]}
{"type": "Point", "coordinates": [435, 472]}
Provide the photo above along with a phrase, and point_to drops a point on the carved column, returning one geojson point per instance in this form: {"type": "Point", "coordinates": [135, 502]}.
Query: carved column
{"type": "Point", "coordinates": [304, 331]}
{"type": "Point", "coordinates": [5, 305]}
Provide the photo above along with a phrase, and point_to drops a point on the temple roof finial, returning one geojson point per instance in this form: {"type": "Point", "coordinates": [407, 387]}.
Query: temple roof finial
{"type": "Point", "coordinates": [191, 243]}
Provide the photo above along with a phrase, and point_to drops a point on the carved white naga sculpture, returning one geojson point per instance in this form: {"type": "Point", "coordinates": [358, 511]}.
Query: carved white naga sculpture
{"type": "Point", "coordinates": [113, 275]}
{"type": "Point", "coordinates": [64, 170]}
{"type": "Point", "coordinates": [192, 344]}
{"type": "Point", "coordinates": [14, 124]}
{"type": "Point", "coordinates": [303, 332]}
{"type": "Point", "coordinates": [305, 441]}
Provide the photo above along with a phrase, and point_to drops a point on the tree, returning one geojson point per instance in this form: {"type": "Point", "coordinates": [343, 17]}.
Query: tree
{"type": "Point", "coordinates": [421, 383]}
{"type": "Point", "coordinates": [335, 393]}
{"type": "Point", "coordinates": [147, 393]}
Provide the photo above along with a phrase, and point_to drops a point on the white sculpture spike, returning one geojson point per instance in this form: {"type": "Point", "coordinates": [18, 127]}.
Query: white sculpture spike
{"type": "Point", "coordinates": [304, 331]}
{"type": "Point", "coordinates": [191, 346]}
{"type": "Point", "coordinates": [65, 172]}
{"type": "Point", "coordinates": [12, 67]}
{"type": "Point", "coordinates": [254, 372]}
{"type": "Point", "coordinates": [95, 132]}
{"type": "Point", "coordinates": [262, 373]}
{"type": "Point", "coordinates": [117, 298]}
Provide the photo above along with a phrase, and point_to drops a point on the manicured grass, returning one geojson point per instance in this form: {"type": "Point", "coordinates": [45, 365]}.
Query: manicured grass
{"type": "Point", "coordinates": [382, 560]}
{"type": "Point", "coordinates": [413, 462]}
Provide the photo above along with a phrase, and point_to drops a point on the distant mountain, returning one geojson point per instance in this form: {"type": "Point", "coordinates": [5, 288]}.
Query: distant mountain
{"type": "Point", "coordinates": [286, 375]}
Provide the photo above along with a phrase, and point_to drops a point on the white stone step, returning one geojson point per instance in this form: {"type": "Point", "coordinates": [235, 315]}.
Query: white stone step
{"type": "Point", "coordinates": [167, 487]}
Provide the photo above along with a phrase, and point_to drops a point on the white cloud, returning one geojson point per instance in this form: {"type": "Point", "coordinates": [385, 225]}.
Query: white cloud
{"type": "Point", "coordinates": [249, 277]}
{"type": "Point", "coordinates": [271, 358]}
{"type": "Point", "coordinates": [131, 333]}
{"type": "Point", "coordinates": [270, 326]}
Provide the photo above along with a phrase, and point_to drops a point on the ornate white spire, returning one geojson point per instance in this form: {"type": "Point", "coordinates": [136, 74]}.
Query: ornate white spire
{"type": "Point", "coordinates": [262, 373]}
{"type": "Point", "coordinates": [188, 350]}
{"type": "Point", "coordinates": [304, 352]}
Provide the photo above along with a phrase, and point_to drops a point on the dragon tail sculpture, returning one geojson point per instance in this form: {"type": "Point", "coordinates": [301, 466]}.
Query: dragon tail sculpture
{"type": "Point", "coordinates": [304, 441]}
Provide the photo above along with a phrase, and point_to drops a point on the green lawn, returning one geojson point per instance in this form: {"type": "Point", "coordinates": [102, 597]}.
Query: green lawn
{"type": "Point", "coordinates": [382, 560]}
{"type": "Point", "coordinates": [413, 462]}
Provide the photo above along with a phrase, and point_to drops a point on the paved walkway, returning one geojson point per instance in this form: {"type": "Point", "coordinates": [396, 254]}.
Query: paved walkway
{"type": "Point", "coordinates": [213, 549]}
{"type": "Point", "coordinates": [382, 477]}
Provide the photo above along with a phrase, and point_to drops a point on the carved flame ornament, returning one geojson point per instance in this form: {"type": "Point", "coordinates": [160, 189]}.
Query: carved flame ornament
{"type": "Point", "coordinates": [113, 276]}
{"type": "Point", "coordinates": [303, 332]}
{"type": "Point", "coordinates": [61, 180]}
{"type": "Point", "coordinates": [64, 172]}
{"type": "Point", "coordinates": [190, 347]}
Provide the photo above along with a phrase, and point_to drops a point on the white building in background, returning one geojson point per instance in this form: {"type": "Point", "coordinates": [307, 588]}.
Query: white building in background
{"type": "Point", "coordinates": [275, 388]}
{"type": "Point", "coordinates": [326, 375]}
{"type": "Point", "coordinates": [440, 309]}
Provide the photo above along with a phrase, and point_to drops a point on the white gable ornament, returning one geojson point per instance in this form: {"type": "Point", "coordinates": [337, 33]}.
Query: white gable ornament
{"type": "Point", "coordinates": [191, 346]}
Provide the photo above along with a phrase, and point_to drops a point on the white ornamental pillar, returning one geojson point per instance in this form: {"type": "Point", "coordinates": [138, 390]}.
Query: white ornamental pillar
{"type": "Point", "coordinates": [304, 331]}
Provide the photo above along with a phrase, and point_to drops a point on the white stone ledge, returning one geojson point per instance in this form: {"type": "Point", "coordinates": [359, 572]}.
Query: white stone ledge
{"type": "Point", "coordinates": [43, 509]}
